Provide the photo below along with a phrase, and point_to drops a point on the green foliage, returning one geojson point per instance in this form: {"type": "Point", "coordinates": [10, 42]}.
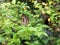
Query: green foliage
{"type": "Point", "coordinates": [12, 32]}
{"type": "Point", "coordinates": [58, 42]}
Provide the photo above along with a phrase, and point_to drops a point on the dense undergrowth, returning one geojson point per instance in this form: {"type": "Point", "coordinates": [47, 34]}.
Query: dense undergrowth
{"type": "Point", "coordinates": [40, 30]}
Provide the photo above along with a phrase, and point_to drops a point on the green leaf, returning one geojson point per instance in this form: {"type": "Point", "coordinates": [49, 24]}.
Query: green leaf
{"type": "Point", "coordinates": [1, 38]}
{"type": "Point", "coordinates": [13, 1]}
{"type": "Point", "coordinates": [8, 30]}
